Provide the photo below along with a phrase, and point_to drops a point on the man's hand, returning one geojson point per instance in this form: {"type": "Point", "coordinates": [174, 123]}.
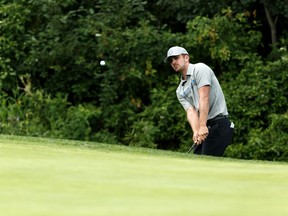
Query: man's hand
{"type": "Point", "coordinates": [195, 137]}
{"type": "Point", "coordinates": [201, 135]}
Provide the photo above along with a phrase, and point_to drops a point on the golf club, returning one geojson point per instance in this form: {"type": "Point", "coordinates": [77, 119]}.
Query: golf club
{"type": "Point", "coordinates": [190, 149]}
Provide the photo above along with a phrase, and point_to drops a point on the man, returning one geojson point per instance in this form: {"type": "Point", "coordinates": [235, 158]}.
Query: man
{"type": "Point", "coordinates": [200, 94]}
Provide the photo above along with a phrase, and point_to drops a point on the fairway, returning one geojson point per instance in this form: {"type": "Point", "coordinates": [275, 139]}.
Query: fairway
{"type": "Point", "coordinates": [59, 177]}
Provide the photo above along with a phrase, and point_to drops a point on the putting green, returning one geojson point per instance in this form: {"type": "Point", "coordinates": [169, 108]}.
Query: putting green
{"type": "Point", "coordinates": [54, 177]}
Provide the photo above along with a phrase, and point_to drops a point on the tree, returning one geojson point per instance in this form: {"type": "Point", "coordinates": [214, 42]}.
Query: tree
{"type": "Point", "coordinates": [52, 83]}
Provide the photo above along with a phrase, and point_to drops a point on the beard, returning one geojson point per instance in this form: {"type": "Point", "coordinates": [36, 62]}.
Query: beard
{"type": "Point", "coordinates": [178, 68]}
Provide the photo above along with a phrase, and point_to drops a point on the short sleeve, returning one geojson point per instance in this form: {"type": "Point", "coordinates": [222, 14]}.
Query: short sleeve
{"type": "Point", "coordinates": [203, 75]}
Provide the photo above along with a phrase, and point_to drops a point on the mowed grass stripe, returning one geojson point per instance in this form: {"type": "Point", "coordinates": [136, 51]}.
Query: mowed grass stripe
{"type": "Point", "coordinates": [51, 177]}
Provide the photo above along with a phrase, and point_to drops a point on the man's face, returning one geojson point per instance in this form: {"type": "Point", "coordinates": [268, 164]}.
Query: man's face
{"type": "Point", "coordinates": [178, 63]}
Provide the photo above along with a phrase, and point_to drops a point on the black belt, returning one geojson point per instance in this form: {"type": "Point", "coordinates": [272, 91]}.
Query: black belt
{"type": "Point", "coordinates": [217, 118]}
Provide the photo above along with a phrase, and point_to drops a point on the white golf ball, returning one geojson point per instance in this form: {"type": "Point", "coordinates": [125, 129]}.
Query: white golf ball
{"type": "Point", "coordinates": [102, 63]}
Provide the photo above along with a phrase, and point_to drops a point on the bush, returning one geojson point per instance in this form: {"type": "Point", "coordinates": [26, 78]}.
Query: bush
{"type": "Point", "coordinates": [40, 115]}
{"type": "Point", "coordinates": [257, 101]}
{"type": "Point", "coordinates": [142, 134]}
{"type": "Point", "coordinates": [270, 144]}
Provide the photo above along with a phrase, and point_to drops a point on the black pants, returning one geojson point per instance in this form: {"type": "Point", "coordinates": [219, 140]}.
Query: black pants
{"type": "Point", "coordinates": [220, 136]}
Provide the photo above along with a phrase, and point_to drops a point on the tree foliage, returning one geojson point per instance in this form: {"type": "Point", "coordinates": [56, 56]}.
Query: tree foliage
{"type": "Point", "coordinates": [52, 85]}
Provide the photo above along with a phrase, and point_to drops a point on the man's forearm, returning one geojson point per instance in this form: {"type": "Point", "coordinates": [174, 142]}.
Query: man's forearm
{"type": "Point", "coordinates": [203, 105]}
{"type": "Point", "coordinates": [192, 117]}
{"type": "Point", "coordinates": [203, 110]}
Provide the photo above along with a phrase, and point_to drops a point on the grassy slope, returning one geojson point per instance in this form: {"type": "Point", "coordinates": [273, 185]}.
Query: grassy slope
{"type": "Point", "coordinates": [60, 177]}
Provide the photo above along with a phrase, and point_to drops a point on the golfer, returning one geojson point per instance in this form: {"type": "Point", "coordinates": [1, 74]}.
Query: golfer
{"type": "Point", "coordinates": [200, 94]}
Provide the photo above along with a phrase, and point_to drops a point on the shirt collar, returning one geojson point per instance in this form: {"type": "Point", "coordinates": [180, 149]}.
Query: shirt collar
{"type": "Point", "coordinates": [189, 72]}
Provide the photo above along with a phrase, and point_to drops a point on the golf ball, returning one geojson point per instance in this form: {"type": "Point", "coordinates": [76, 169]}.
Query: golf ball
{"type": "Point", "coordinates": [102, 63]}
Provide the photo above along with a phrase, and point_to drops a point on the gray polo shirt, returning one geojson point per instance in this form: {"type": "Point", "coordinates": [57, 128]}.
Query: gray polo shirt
{"type": "Point", "coordinates": [199, 75]}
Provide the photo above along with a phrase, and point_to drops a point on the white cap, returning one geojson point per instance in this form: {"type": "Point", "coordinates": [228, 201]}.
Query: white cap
{"type": "Point", "coordinates": [175, 51]}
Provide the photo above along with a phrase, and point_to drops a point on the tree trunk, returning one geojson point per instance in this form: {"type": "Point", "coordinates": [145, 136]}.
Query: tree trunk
{"type": "Point", "coordinates": [272, 24]}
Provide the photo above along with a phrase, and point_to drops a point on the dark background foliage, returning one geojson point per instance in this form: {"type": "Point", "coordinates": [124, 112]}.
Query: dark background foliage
{"type": "Point", "coordinates": [52, 84]}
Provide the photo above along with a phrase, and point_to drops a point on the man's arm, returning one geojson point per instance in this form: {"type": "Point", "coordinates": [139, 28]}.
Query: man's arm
{"type": "Point", "coordinates": [193, 119]}
{"type": "Point", "coordinates": [204, 92]}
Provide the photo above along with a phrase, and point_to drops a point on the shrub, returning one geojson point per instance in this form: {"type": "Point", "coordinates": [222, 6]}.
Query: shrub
{"type": "Point", "coordinates": [40, 115]}
{"type": "Point", "coordinates": [270, 144]}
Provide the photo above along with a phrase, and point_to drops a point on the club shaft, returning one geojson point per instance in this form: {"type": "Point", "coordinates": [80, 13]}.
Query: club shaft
{"type": "Point", "coordinates": [191, 148]}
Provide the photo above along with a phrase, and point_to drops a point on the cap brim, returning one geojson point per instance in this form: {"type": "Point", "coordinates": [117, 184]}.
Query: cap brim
{"type": "Point", "coordinates": [167, 58]}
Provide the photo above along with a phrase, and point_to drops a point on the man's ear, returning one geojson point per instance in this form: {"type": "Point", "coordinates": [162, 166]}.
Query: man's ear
{"type": "Point", "coordinates": [187, 58]}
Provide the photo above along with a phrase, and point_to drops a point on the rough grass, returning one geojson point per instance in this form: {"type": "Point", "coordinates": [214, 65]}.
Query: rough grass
{"type": "Point", "coordinates": [60, 177]}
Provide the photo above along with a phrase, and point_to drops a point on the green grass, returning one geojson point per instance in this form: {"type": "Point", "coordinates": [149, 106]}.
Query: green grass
{"type": "Point", "coordinates": [58, 177]}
